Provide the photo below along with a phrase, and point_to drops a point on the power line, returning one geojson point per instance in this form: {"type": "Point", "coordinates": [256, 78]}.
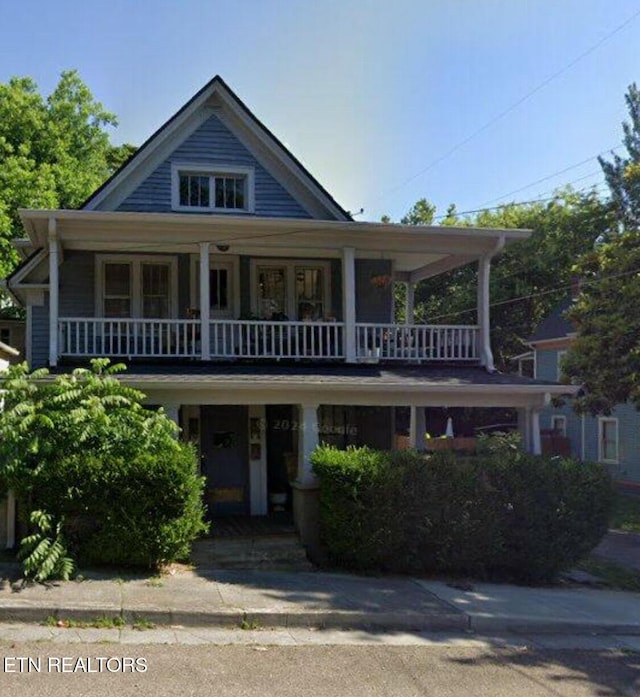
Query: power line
{"type": "Point", "coordinates": [547, 291]}
{"type": "Point", "coordinates": [552, 176]}
{"type": "Point", "coordinates": [512, 107]}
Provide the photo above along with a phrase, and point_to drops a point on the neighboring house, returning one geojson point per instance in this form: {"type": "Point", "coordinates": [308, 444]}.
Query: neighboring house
{"type": "Point", "coordinates": [12, 335]}
{"type": "Point", "coordinates": [613, 440]}
{"type": "Point", "coordinates": [252, 307]}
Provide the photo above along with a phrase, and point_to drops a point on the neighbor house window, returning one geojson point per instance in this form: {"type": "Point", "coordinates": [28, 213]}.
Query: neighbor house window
{"type": "Point", "coordinates": [202, 188]}
{"type": "Point", "coordinates": [559, 425]}
{"type": "Point", "coordinates": [608, 440]}
{"type": "Point", "coordinates": [560, 359]}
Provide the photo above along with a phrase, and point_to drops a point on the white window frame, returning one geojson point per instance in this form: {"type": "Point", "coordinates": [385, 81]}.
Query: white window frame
{"type": "Point", "coordinates": [212, 170]}
{"type": "Point", "coordinates": [559, 356]}
{"type": "Point", "coordinates": [218, 261]}
{"type": "Point", "coordinates": [601, 421]}
{"type": "Point", "coordinates": [136, 261]}
{"type": "Point", "coordinates": [290, 268]}
{"type": "Point", "coordinates": [562, 419]}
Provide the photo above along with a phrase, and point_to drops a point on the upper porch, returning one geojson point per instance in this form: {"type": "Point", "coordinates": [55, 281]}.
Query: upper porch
{"type": "Point", "coordinates": [184, 286]}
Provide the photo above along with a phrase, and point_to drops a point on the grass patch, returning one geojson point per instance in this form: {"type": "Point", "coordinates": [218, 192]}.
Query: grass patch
{"type": "Point", "coordinates": [613, 575]}
{"type": "Point", "coordinates": [102, 622]}
{"type": "Point", "coordinates": [142, 625]}
{"type": "Point", "coordinates": [626, 513]}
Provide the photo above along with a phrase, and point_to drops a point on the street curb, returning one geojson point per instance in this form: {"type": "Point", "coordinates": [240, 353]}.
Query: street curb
{"type": "Point", "coordinates": [439, 622]}
{"type": "Point", "coordinates": [239, 617]}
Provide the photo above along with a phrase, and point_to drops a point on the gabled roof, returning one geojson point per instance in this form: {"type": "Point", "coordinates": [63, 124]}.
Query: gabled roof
{"type": "Point", "coordinates": [555, 325]}
{"type": "Point", "coordinates": [219, 90]}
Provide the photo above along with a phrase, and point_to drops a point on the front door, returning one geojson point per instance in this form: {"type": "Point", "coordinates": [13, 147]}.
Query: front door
{"type": "Point", "coordinates": [225, 459]}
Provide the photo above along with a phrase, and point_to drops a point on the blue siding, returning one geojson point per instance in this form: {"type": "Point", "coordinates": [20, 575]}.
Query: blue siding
{"type": "Point", "coordinates": [213, 143]}
{"type": "Point", "coordinates": [40, 334]}
{"type": "Point", "coordinates": [373, 304]}
{"type": "Point", "coordinates": [628, 468]}
{"type": "Point", "coordinates": [77, 284]}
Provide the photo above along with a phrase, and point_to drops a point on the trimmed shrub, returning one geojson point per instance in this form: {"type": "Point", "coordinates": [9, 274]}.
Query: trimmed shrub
{"type": "Point", "coordinates": [144, 511]}
{"type": "Point", "coordinates": [502, 514]}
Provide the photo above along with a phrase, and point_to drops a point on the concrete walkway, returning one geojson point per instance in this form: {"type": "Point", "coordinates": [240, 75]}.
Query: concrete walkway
{"type": "Point", "coordinates": [620, 547]}
{"type": "Point", "coordinates": [263, 599]}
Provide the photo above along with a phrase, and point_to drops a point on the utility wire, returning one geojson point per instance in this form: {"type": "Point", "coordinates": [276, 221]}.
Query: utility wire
{"type": "Point", "coordinates": [512, 107]}
{"type": "Point", "coordinates": [537, 294]}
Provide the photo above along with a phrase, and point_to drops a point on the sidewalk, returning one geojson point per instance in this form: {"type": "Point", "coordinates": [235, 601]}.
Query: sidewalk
{"type": "Point", "coordinates": [263, 599]}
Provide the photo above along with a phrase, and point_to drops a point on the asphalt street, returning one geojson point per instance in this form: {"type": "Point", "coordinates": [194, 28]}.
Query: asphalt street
{"type": "Point", "coordinates": [325, 671]}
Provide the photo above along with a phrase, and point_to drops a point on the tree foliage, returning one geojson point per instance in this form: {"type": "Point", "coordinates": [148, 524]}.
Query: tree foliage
{"type": "Point", "coordinates": [54, 151]}
{"type": "Point", "coordinates": [527, 279]}
{"type": "Point", "coordinates": [605, 357]}
{"type": "Point", "coordinates": [83, 448]}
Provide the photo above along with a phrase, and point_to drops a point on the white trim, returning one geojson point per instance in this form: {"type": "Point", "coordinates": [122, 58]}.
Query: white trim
{"type": "Point", "coordinates": [231, 262]}
{"type": "Point", "coordinates": [601, 458]}
{"type": "Point", "coordinates": [258, 468]}
{"type": "Point", "coordinates": [28, 335]}
{"type": "Point", "coordinates": [562, 419]}
{"type": "Point", "coordinates": [212, 170]}
{"type": "Point", "coordinates": [290, 266]}
{"type": "Point", "coordinates": [136, 261]}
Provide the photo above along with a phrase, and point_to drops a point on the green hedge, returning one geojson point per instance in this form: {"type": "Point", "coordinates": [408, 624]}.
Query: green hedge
{"type": "Point", "coordinates": [503, 514]}
{"type": "Point", "coordinates": [141, 511]}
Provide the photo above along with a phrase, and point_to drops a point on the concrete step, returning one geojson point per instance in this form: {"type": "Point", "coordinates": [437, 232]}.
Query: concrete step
{"type": "Point", "coordinates": [271, 552]}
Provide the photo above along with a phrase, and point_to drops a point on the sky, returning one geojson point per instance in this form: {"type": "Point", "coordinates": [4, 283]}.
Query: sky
{"type": "Point", "coordinates": [459, 101]}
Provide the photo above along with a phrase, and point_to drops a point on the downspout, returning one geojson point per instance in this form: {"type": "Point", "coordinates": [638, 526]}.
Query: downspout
{"type": "Point", "coordinates": [484, 269]}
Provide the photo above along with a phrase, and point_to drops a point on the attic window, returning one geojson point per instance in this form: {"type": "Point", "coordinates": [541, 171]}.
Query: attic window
{"type": "Point", "coordinates": [199, 188]}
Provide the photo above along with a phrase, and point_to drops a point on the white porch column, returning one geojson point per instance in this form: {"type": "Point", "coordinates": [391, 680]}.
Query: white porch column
{"type": "Point", "coordinates": [536, 441]}
{"type": "Point", "coordinates": [349, 302]}
{"type": "Point", "coordinates": [172, 411]}
{"type": "Point", "coordinates": [417, 428]}
{"type": "Point", "coordinates": [307, 442]}
{"type": "Point", "coordinates": [409, 303]}
{"type": "Point", "coordinates": [11, 520]}
{"type": "Point", "coordinates": [54, 249]}
{"type": "Point", "coordinates": [484, 322]}
{"type": "Point", "coordinates": [205, 335]}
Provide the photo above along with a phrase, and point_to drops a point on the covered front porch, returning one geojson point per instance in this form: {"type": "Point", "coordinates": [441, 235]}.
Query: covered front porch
{"type": "Point", "coordinates": [257, 425]}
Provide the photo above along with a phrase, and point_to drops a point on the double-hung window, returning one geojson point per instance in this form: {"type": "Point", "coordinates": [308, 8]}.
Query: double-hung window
{"type": "Point", "coordinates": [206, 188]}
{"type": "Point", "coordinates": [136, 287]}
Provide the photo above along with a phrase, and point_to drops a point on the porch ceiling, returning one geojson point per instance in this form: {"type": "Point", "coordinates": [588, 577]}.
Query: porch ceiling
{"type": "Point", "coordinates": [424, 250]}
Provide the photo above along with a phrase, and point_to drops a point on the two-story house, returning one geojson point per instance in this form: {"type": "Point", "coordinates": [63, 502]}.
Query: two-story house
{"type": "Point", "coordinates": [250, 305]}
{"type": "Point", "coordinates": [613, 440]}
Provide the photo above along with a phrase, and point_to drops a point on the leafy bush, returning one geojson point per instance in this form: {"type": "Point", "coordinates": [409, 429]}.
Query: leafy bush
{"type": "Point", "coordinates": [502, 514]}
{"type": "Point", "coordinates": [83, 448]}
{"type": "Point", "coordinates": [43, 553]}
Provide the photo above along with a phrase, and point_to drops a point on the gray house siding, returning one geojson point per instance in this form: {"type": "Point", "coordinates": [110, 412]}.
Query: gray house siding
{"type": "Point", "coordinates": [40, 334]}
{"type": "Point", "coordinates": [77, 284]}
{"type": "Point", "coordinates": [582, 431]}
{"type": "Point", "coordinates": [373, 304]}
{"type": "Point", "coordinates": [213, 143]}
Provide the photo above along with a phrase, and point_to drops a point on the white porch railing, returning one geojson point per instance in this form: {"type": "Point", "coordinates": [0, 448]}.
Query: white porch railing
{"type": "Point", "coordinates": [421, 342]}
{"type": "Point", "coordinates": [180, 338]}
{"type": "Point", "coordinates": [134, 338]}
{"type": "Point", "coordinates": [270, 339]}
{"type": "Point", "coordinates": [262, 339]}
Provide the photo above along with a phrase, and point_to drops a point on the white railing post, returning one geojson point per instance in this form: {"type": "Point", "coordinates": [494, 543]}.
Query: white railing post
{"type": "Point", "coordinates": [54, 247]}
{"type": "Point", "coordinates": [205, 346]}
{"type": "Point", "coordinates": [349, 302]}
